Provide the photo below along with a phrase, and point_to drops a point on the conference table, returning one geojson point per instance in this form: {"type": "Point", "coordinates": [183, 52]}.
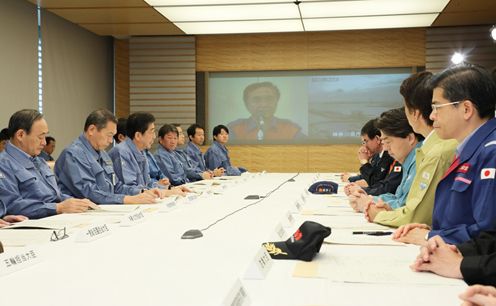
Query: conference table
{"type": "Point", "coordinates": [134, 254]}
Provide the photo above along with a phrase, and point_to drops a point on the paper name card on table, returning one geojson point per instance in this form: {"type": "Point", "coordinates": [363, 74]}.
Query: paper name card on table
{"type": "Point", "coordinates": [133, 218]}
{"type": "Point", "coordinates": [288, 220]}
{"type": "Point", "coordinates": [280, 232]}
{"type": "Point", "coordinates": [298, 206]}
{"type": "Point", "coordinates": [237, 296]}
{"type": "Point", "coordinates": [304, 198]}
{"type": "Point", "coordinates": [191, 197]}
{"type": "Point", "coordinates": [259, 266]}
{"type": "Point", "coordinates": [93, 233]}
{"type": "Point", "coordinates": [18, 259]}
{"type": "Point", "coordinates": [167, 206]}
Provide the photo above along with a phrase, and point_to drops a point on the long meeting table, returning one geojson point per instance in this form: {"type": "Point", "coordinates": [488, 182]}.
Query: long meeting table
{"type": "Point", "coordinates": [145, 261]}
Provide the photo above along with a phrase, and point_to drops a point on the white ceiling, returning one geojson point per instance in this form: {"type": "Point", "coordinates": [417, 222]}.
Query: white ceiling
{"type": "Point", "coordinates": [258, 16]}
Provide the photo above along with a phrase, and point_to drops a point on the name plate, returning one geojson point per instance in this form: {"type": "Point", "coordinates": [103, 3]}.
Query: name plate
{"type": "Point", "coordinates": [304, 197]}
{"type": "Point", "coordinates": [288, 220]}
{"type": "Point", "coordinates": [93, 233]}
{"type": "Point", "coordinates": [191, 197]}
{"type": "Point", "coordinates": [167, 206]}
{"type": "Point", "coordinates": [280, 232]}
{"type": "Point", "coordinates": [18, 260]}
{"type": "Point", "coordinates": [237, 296]}
{"type": "Point", "coordinates": [259, 266]}
{"type": "Point", "coordinates": [299, 205]}
{"type": "Point", "coordinates": [133, 218]}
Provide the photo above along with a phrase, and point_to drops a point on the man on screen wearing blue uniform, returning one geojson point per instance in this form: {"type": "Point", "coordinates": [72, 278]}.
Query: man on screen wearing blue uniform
{"type": "Point", "coordinates": [27, 185]}
{"type": "Point", "coordinates": [85, 170]}
{"type": "Point", "coordinates": [463, 105]}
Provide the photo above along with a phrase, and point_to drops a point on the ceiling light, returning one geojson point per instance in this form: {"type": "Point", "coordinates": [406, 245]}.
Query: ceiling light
{"type": "Point", "coordinates": [457, 58]}
{"type": "Point", "coordinates": [370, 8]}
{"type": "Point", "coordinates": [229, 12]}
{"type": "Point", "coordinates": [373, 22]}
{"type": "Point", "coordinates": [493, 32]}
{"type": "Point", "coordinates": [209, 2]}
{"type": "Point", "coordinates": [231, 27]}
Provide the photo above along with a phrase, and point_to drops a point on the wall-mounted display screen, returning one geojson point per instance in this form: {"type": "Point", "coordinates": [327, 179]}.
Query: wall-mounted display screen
{"type": "Point", "coordinates": [291, 107]}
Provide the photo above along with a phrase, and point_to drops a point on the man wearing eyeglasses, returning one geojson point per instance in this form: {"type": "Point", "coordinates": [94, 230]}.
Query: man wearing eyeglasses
{"type": "Point", "coordinates": [463, 107]}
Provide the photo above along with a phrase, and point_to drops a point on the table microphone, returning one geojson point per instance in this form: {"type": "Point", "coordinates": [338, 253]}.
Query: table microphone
{"type": "Point", "coordinates": [192, 234]}
{"type": "Point", "coordinates": [196, 233]}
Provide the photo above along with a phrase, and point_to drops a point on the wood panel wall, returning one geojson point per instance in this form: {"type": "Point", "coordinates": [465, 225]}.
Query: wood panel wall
{"type": "Point", "coordinates": [300, 51]}
{"type": "Point", "coordinates": [162, 78]}
{"type": "Point", "coordinates": [474, 41]}
{"type": "Point", "coordinates": [121, 77]}
{"type": "Point", "coordinates": [296, 158]}
{"type": "Point", "coordinates": [311, 50]}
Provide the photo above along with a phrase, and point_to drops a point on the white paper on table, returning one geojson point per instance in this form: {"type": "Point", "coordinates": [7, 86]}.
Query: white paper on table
{"type": "Point", "coordinates": [347, 238]}
{"type": "Point", "coordinates": [25, 237]}
{"type": "Point", "coordinates": [45, 223]}
{"type": "Point", "coordinates": [369, 269]}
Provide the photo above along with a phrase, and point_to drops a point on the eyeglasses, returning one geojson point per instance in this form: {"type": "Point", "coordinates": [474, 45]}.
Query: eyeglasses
{"type": "Point", "coordinates": [436, 106]}
{"type": "Point", "coordinates": [59, 235]}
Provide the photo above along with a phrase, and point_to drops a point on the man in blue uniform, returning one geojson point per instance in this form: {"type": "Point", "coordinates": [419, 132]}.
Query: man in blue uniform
{"type": "Point", "coordinates": [130, 164]}
{"type": "Point", "coordinates": [171, 163]}
{"type": "Point", "coordinates": [463, 105]}
{"type": "Point", "coordinates": [217, 156]}
{"type": "Point", "coordinates": [155, 174]}
{"type": "Point", "coordinates": [196, 136]}
{"type": "Point", "coordinates": [27, 185]}
{"type": "Point", "coordinates": [193, 172]}
{"type": "Point", "coordinates": [85, 170]}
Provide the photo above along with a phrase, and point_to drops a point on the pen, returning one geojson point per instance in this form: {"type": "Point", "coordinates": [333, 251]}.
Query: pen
{"type": "Point", "coordinates": [376, 233]}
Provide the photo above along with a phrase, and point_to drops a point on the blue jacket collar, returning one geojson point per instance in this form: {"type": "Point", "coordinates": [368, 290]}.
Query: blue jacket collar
{"type": "Point", "coordinates": [20, 156]}
{"type": "Point", "coordinates": [132, 147]}
{"type": "Point", "coordinates": [95, 154]}
{"type": "Point", "coordinates": [477, 138]}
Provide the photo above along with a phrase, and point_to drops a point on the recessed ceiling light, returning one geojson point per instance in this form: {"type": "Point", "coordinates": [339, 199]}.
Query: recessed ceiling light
{"type": "Point", "coordinates": [457, 58]}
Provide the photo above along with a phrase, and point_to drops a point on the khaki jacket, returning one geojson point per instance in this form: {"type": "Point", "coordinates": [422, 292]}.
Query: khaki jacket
{"type": "Point", "coordinates": [432, 160]}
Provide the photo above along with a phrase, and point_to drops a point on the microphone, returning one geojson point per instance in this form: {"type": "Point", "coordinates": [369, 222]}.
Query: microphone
{"type": "Point", "coordinates": [192, 234]}
{"type": "Point", "coordinates": [196, 233]}
{"type": "Point", "coordinates": [260, 134]}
